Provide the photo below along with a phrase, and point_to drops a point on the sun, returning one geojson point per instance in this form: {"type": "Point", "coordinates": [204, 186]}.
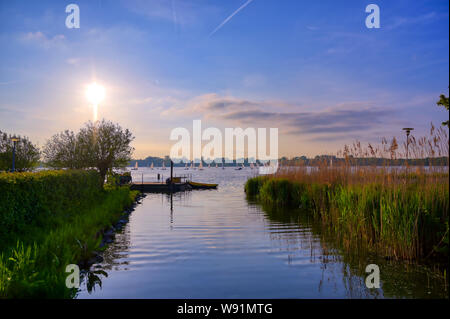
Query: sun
{"type": "Point", "coordinates": [95, 93]}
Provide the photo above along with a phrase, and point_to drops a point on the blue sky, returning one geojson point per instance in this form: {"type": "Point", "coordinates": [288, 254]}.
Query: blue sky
{"type": "Point", "coordinates": [310, 68]}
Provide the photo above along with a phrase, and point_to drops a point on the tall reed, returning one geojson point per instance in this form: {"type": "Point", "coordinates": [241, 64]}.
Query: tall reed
{"type": "Point", "coordinates": [400, 212]}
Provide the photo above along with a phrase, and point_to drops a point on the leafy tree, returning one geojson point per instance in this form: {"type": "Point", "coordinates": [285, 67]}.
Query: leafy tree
{"type": "Point", "coordinates": [63, 150]}
{"type": "Point", "coordinates": [444, 102]}
{"type": "Point", "coordinates": [103, 145]}
{"type": "Point", "coordinates": [27, 154]}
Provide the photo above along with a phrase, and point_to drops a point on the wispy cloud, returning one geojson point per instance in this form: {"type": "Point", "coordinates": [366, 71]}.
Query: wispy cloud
{"type": "Point", "coordinates": [44, 41]}
{"type": "Point", "coordinates": [73, 61]}
{"type": "Point", "coordinates": [230, 17]}
{"type": "Point", "coordinates": [174, 15]}
{"type": "Point", "coordinates": [330, 121]}
{"type": "Point", "coordinates": [312, 28]}
{"type": "Point", "coordinates": [346, 119]}
{"type": "Point", "coordinates": [8, 82]}
{"type": "Point", "coordinates": [254, 80]}
{"type": "Point", "coordinates": [403, 21]}
{"type": "Point", "coordinates": [181, 13]}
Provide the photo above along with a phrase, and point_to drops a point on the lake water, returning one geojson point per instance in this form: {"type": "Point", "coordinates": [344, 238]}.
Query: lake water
{"type": "Point", "coordinates": [215, 244]}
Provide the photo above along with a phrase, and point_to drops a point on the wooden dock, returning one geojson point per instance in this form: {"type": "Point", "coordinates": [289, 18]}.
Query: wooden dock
{"type": "Point", "coordinates": [155, 187]}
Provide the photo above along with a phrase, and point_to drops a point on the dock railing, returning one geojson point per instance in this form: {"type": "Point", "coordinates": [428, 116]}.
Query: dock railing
{"type": "Point", "coordinates": [159, 178]}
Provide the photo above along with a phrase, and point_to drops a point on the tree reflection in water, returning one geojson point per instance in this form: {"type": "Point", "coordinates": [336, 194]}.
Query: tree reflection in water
{"type": "Point", "coordinates": [114, 257]}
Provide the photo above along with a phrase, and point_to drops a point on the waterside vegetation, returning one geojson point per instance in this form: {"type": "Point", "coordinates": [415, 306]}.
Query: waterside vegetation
{"type": "Point", "coordinates": [397, 212]}
{"type": "Point", "coordinates": [49, 220]}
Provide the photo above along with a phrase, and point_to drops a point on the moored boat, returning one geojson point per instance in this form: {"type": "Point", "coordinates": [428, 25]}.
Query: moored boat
{"type": "Point", "coordinates": [195, 185]}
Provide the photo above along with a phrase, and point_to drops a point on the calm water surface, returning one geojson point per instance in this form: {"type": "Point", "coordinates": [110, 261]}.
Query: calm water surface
{"type": "Point", "coordinates": [215, 244]}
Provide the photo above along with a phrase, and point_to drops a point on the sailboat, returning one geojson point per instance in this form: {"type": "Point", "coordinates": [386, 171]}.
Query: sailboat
{"type": "Point", "coordinates": [135, 167]}
{"type": "Point", "coordinates": [151, 166]}
{"type": "Point", "coordinates": [186, 167]}
{"type": "Point", "coordinates": [192, 165]}
{"type": "Point", "coordinates": [163, 166]}
{"type": "Point", "coordinates": [217, 165]}
{"type": "Point", "coordinates": [200, 166]}
{"type": "Point", "coordinates": [237, 168]}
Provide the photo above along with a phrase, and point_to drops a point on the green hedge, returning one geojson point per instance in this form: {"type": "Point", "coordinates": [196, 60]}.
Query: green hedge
{"type": "Point", "coordinates": [28, 198]}
{"type": "Point", "coordinates": [34, 267]}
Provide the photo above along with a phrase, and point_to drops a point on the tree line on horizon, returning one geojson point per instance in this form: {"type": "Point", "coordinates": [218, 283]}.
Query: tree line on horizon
{"type": "Point", "coordinates": [306, 161]}
{"type": "Point", "coordinates": [104, 145]}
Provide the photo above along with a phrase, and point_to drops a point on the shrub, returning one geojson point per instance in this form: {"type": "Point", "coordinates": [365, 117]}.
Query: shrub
{"type": "Point", "coordinates": [31, 198]}
{"type": "Point", "coordinates": [253, 185]}
{"type": "Point", "coordinates": [34, 267]}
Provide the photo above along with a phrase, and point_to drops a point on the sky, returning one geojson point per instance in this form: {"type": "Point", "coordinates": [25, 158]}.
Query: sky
{"type": "Point", "coordinates": [312, 69]}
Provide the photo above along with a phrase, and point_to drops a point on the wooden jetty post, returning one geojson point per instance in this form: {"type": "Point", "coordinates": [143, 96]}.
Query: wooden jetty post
{"type": "Point", "coordinates": [171, 176]}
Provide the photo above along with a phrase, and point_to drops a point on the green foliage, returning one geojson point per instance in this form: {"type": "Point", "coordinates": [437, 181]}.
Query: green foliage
{"type": "Point", "coordinates": [114, 180]}
{"type": "Point", "coordinates": [253, 185]}
{"type": "Point", "coordinates": [63, 150]}
{"type": "Point", "coordinates": [279, 192]}
{"type": "Point", "coordinates": [27, 154]}
{"type": "Point", "coordinates": [444, 101]}
{"type": "Point", "coordinates": [103, 145]}
{"type": "Point", "coordinates": [399, 221]}
{"type": "Point", "coordinates": [34, 264]}
{"type": "Point", "coordinates": [32, 198]}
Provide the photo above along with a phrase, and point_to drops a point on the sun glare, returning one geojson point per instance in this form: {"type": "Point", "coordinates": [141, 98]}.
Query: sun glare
{"type": "Point", "coordinates": [95, 93]}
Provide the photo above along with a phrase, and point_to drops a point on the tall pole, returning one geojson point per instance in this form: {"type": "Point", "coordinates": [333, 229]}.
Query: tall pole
{"type": "Point", "coordinates": [14, 157]}
{"type": "Point", "coordinates": [14, 140]}
{"type": "Point", "coordinates": [408, 131]}
{"type": "Point", "coordinates": [407, 145]}
{"type": "Point", "coordinates": [171, 172]}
